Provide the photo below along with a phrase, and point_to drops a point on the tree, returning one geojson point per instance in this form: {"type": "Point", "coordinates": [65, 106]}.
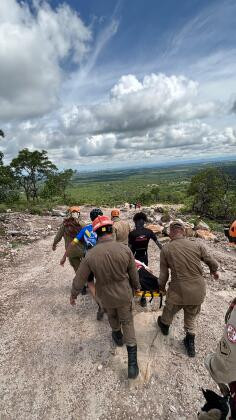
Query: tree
{"type": "Point", "coordinates": [210, 189]}
{"type": "Point", "coordinates": [2, 133]}
{"type": "Point", "coordinates": [155, 193]}
{"type": "Point", "coordinates": [31, 168]}
{"type": "Point", "coordinates": [8, 183]}
{"type": "Point", "coordinates": [57, 183]}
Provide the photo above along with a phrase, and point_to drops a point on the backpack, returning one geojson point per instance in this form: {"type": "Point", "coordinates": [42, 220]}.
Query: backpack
{"type": "Point", "coordinates": [90, 239]}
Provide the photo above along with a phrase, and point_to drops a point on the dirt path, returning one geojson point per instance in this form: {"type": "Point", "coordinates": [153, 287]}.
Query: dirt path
{"type": "Point", "coordinates": [58, 362]}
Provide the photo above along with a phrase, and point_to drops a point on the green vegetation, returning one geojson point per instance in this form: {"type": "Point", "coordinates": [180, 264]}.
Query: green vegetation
{"type": "Point", "coordinates": [57, 184]}
{"type": "Point", "coordinates": [212, 194]}
{"type": "Point", "coordinates": [33, 183]}
{"type": "Point", "coordinates": [31, 168]}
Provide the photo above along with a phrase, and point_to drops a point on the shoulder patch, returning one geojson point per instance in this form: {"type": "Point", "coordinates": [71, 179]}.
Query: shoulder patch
{"type": "Point", "coordinates": [231, 333]}
{"type": "Point", "coordinates": [224, 347]}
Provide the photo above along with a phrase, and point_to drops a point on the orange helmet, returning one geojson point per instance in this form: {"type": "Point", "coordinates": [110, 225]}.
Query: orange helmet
{"type": "Point", "coordinates": [115, 213]}
{"type": "Point", "coordinates": [74, 208]}
{"type": "Point", "coordinates": [101, 221]}
{"type": "Point", "coordinates": [232, 230]}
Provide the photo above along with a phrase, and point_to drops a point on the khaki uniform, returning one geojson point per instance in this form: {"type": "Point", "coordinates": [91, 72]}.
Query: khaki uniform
{"type": "Point", "coordinates": [121, 230]}
{"type": "Point", "coordinates": [222, 363]}
{"type": "Point", "coordinates": [113, 266]}
{"type": "Point", "coordinates": [187, 287]}
{"type": "Point", "coordinates": [76, 252]}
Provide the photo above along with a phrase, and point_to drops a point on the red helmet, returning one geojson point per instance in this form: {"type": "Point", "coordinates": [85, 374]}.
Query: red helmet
{"type": "Point", "coordinates": [101, 221]}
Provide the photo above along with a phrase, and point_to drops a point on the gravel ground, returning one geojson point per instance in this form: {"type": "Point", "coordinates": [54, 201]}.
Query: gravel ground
{"type": "Point", "coordinates": [58, 362]}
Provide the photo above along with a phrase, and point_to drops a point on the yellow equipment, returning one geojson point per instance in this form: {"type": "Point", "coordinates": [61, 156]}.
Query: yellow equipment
{"type": "Point", "coordinates": [151, 294]}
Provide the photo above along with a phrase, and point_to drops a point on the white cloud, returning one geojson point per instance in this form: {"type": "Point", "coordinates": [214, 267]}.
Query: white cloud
{"type": "Point", "coordinates": [153, 117]}
{"type": "Point", "coordinates": [100, 145]}
{"type": "Point", "coordinates": [32, 49]}
{"type": "Point", "coordinates": [139, 106]}
{"type": "Point", "coordinates": [158, 118]}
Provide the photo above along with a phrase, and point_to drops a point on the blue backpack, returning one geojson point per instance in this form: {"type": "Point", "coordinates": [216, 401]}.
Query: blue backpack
{"type": "Point", "coordinates": [90, 237]}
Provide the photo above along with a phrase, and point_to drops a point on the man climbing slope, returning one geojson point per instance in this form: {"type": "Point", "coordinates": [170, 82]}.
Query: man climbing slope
{"type": "Point", "coordinates": [121, 228]}
{"type": "Point", "coordinates": [88, 238]}
{"type": "Point", "coordinates": [113, 266]}
{"type": "Point", "coordinates": [139, 238]}
{"type": "Point", "coordinates": [187, 287]}
{"type": "Point", "coordinates": [68, 230]}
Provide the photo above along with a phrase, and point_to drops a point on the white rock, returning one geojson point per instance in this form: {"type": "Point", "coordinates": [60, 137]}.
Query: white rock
{"type": "Point", "coordinates": [99, 368]}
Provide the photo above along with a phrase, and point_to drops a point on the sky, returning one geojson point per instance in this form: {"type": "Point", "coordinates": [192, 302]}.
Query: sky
{"type": "Point", "coordinates": [115, 83]}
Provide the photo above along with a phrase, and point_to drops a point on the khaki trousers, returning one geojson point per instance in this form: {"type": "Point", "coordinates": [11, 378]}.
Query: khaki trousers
{"type": "Point", "coordinates": [123, 317]}
{"type": "Point", "coordinates": [190, 314]}
{"type": "Point", "coordinates": [75, 262]}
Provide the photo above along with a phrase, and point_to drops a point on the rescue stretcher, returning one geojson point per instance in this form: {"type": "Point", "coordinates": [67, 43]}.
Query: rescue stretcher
{"type": "Point", "coordinates": [149, 284]}
{"type": "Point", "coordinates": [150, 294]}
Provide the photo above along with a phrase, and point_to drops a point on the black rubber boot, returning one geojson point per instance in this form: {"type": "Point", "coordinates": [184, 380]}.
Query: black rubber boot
{"type": "Point", "coordinates": [164, 328]}
{"type": "Point", "coordinates": [118, 338]}
{"type": "Point", "coordinates": [84, 291]}
{"type": "Point", "coordinates": [189, 344]}
{"type": "Point", "coordinates": [133, 369]}
{"type": "Point", "coordinates": [100, 313]}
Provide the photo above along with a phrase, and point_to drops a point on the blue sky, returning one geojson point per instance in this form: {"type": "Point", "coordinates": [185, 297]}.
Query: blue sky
{"type": "Point", "coordinates": [104, 83]}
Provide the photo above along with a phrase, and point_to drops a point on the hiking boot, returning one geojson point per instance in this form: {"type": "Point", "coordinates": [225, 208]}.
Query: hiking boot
{"type": "Point", "coordinates": [164, 328]}
{"type": "Point", "coordinates": [143, 302]}
{"type": "Point", "coordinates": [84, 291]}
{"type": "Point", "coordinates": [189, 344]}
{"type": "Point", "coordinates": [100, 314]}
{"type": "Point", "coordinates": [133, 369]}
{"type": "Point", "coordinates": [118, 338]}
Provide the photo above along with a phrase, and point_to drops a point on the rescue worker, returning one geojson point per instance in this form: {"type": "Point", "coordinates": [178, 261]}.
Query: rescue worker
{"type": "Point", "coordinates": [139, 238]}
{"type": "Point", "coordinates": [121, 228]}
{"type": "Point", "coordinates": [113, 266]}
{"type": "Point", "coordinates": [187, 287]}
{"type": "Point", "coordinates": [68, 230]}
{"type": "Point", "coordinates": [89, 239]}
{"type": "Point", "coordinates": [222, 364]}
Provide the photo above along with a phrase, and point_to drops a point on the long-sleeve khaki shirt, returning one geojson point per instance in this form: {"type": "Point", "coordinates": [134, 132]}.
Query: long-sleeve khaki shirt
{"type": "Point", "coordinates": [121, 230]}
{"type": "Point", "coordinates": [63, 232]}
{"type": "Point", "coordinates": [222, 363]}
{"type": "Point", "coordinates": [183, 257]}
{"type": "Point", "coordinates": [113, 266]}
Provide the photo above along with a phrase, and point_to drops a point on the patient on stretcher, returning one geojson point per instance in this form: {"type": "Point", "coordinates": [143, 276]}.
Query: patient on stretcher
{"type": "Point", "coordinates": [147, 280]}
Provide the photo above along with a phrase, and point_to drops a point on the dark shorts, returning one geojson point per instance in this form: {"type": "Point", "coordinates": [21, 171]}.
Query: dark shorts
{"type": "Point", "coordinates": [142, 256]}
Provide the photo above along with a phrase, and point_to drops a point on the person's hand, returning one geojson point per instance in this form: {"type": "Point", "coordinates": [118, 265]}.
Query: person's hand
{"type": "Point", "coordinates": [72, 300]}
{"type": "Point", "coordinates": [63, 260]}
{"type": "Point", "coordinates": [54, 247]}
{"type": "Point", "coordinates": [215, 275]}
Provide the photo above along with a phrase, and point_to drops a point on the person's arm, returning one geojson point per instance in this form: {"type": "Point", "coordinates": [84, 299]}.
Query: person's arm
{"type": "Point", "coordinates": [164, 271]}
{"type": "Point", "coordinates": [80, 279]}
{"type": "Point", "coordinates": [130, 242]}
{"type": "Point", "coordinates": [133, 273]}
{"type": "Point", "coordinates": [154, 238]}
{"type": "Point", "coordinates": [210, 261]}
{"type": "Point", "coordinates": [58, 237]}
{"type": "Point", "coordinates": [75, 241]}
